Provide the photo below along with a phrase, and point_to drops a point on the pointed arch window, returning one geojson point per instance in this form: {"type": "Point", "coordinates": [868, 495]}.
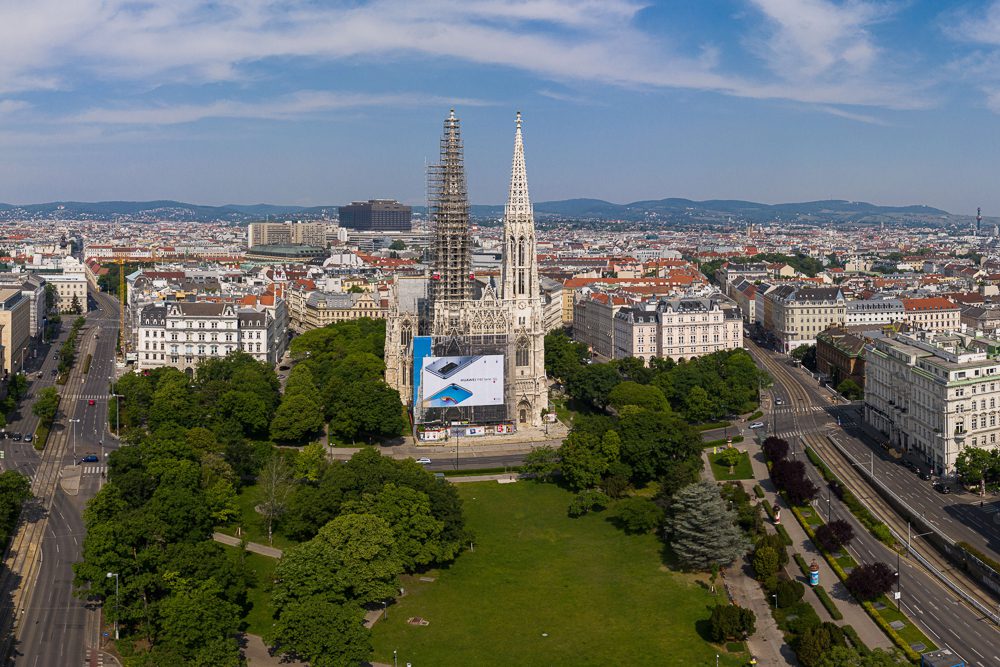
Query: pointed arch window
{"type": "Point", "coordinates": [521, 353]}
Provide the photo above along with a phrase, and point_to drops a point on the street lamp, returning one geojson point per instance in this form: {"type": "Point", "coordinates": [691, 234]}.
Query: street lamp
{"type": "Point", "coordinates": [394, 663]}
{"type": "Point", "coordinates": [74, 422]}
{"type": "Point", "coordinates": [118, 409]}
{"type": "Point", "coordinates": [385, 610]}
{"type": "Point", "coordinates": [775, 596]}
{"type": "Point", "coordinates": [115, 575]}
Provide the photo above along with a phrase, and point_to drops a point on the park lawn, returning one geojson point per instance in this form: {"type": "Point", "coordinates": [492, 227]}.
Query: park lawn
{"type": "Point", "coordinates": [602, 597]}
{"type": "Point", "coordinates": [258, 617]}
{"type": "Point", "coordinates": [742, 471]}
{"type": "Point", "coordinates": [252, 523]}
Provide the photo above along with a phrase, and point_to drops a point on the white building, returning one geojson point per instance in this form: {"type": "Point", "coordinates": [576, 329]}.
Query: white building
{"type": "Point", "coordinates": [181, 334]}
{"type": "Point", "coordinates": [934, 394]}
{"type": "Point", "coordinates": [677, 328]}
{"type": "Point", "coordinates": [875, 312]}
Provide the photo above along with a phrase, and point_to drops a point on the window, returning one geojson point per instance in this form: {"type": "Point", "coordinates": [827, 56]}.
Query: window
{"type": "Point", "coordinates": [521, 354]}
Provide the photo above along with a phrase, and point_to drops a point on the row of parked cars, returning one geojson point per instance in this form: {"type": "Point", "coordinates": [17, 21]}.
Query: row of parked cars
{"type": "Point", "coordinates": [925, 474]}
{"type": "Point", "coordinates": [16, 437]}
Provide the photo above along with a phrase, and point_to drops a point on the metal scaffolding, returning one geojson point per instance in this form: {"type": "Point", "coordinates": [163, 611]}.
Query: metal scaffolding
{"type": "Point", "coordinates": [449, 208]}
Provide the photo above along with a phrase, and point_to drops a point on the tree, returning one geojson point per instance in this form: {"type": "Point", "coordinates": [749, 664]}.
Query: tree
{"type": "Point", "coordinates": [789, 592]}
{"type": "Point", "coordinates": [75, 306]}
{"type": "Point", "coordinates": [586, 458]}
{"type": "Point", "coordinates": [730, 456]}
{"type": "Point", "coordinates": [776, 542]}
{"type": "Point", "coordinates": [367, 410]}
{"type": "Point", "coordinates": [46, 406]}
{"type": "Point", "coordinates": [655, 442]}
{"type": "Point", "coordinates": [15, 488]}
{"type": "Point", "coordinates": [275, 482]}
{"type": "Point", "coordinates": [850, 390]}
{"type": "Point", "coordinates": [323, 633]}
{"type": "Point", "coordinates": [702, 530]}
{"type": "Point", "coordinates": [311, 462]}
{"type": "Point", "coordinates": [974, 465]}
{"type": "Point", "coordinates": [51, 296]}
{"type": "Point", "coordinates": [563, 357]}
{"type": "Point", "coordinates": [844, 656]}
{"type": "Point", "coordinates": [196, 622]}
{"type": "Point", "coordinates": [397, 245]}
{"type": "Point", "coordinates": [699, 406]}
{"type": "Point", "coordinates": [591, 500]}
{"type": "Point", "coordinates": [593, 384]}
{"type": "Point", "coordinates": [416, 532]}
{"type": "Point", "coordinates": [644, 396]}
{"type": "Point", "coordinates": [297, 418]}
{"type": "Point", "coordinates": [637, 515]}
{"type": "Point", "coordinates": [835, 535]}
{"type": "Point", "coordinates": [775, 449]}
{"type": "Point", "coordinates": [791, 476]}
{"type": "Point", "coordinates": [806, 355]}
{"type": "Point", "coordinates": [765, 561]}
{"type": "Point", "coordinates": [814, 642]}
{"type": "Point", "coordinates": [731, 622]}
{"type": "Point", "coordinates": [869, 582]}
{"type": "Point", "coordinates": [542, 462]}
{"type": "Point", "coordinates": [353, 558]}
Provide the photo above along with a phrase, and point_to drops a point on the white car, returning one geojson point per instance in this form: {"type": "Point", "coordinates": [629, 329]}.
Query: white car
{"type": "Point", "coordinates": [423, 460]}
{"type": "Point", "coordinates": [757, 425]}
{"type": "Point", "coordinates": [778, 401]}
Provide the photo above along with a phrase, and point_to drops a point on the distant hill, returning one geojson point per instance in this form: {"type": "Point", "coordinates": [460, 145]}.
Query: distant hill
{"type": "Point", "coordinates": [662, 210]}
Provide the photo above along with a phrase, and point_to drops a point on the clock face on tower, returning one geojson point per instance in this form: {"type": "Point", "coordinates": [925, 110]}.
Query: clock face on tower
{"type": "Point", "coordinates": [522, 304]}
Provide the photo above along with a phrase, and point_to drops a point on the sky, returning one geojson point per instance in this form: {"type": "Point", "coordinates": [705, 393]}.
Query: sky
{"type": "Point", "coordinates": [316, 102]}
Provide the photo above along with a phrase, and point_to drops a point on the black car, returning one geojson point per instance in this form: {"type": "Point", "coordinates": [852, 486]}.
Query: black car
{"type": "Point", "coordinates": [924, 474]}
{"type": "Point", "coordinates": [942, 488]}
{"type": "Point", "coordinates": [16, 437]}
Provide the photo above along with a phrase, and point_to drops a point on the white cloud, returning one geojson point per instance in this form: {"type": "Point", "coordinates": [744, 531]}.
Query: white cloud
{"type": "Point", "coordinates": [297, 105]}
{"type": "Point", "coordinates": [819, 52]}
{"type": "Point", "coordinates": [10, 106]}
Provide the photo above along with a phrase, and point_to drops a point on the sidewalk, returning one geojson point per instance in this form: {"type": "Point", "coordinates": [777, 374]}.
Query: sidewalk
{"type": "Point", "coordinates": [767, 644]}
{"type": "Point", "coordinates": [261, 549]}
{"type": "Point", "coordinates": [854, 614]}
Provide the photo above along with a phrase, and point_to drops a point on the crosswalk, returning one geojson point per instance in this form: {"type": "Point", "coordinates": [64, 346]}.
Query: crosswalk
{"type": "Point", "coordinates": [86, 397]}
{"type": "Point", "coordinates": [94, 470]}
{"type": "Point", "coordinates": [791, 409]}
{"type": "Point", "coordinates": [93, 658]}
{"type": "Point", "coordinates": [785, 435]}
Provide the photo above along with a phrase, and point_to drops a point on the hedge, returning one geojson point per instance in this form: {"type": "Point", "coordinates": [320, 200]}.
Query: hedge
{"type": "Point", "coordinates": [756, 415]}
{"type": "Point", "coordinates": [786, 538]}
{"type": "Point", "coordinates": [41, 437]}
{"type": "Point", "coordinates": [965, 546]}
{"type": "Point", "coordinates": [852, 635]}
{"type": "Point", "coordinates": [86, 363]}
{"type": "Point", "coordinates": [828, 602]}
{"type": "Point", "coordinates": [802, 564]}
{"type": "Point", "coordinates": [758, 491]}
{"type": "Point", "coordinates": [891, 632]}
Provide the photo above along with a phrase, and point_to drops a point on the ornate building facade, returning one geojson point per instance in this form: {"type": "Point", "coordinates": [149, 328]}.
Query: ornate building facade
{"type": "Point", "coordinates": [453, 314]}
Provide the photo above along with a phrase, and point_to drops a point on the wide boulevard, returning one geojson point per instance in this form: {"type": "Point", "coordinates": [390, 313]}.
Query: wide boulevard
{"type": "Point", "coordinates": [44, 621]}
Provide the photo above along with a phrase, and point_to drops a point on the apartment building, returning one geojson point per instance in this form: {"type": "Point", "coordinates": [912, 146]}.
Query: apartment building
{"type": "Point", "coordinates": [15, 330]}
{"type": "Point", "coordinates": [182, 334]}
{"type": "Point", "coordinates": [269, 233]}
{"type": "Point", "coordinates": [315, 309]}
{"type": "Point", "coordinates": [594, 321]}
{"type": "Point", "coordinates": [985, 317]}
{"type": "Point", "coordinates": [933, 394]}
{"type": "Point", "coordinates": [840, 355]}
{"type": "Point", "coordinates": [793, 315]}
{"type": "Point", "coordinates": [873, 312]}
{"type": "Point", "coordinates": [933, 314]}
{"type": "Point", "coordinates": [677, 328]}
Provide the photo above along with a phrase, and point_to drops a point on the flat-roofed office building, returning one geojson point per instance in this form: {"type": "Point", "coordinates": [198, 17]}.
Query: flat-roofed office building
{"type": "Point", "coordinates": [386, 215]}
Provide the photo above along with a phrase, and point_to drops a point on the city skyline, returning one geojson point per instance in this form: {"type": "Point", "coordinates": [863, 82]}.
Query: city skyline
{"type": "Point", "coordinates": [294, 103]}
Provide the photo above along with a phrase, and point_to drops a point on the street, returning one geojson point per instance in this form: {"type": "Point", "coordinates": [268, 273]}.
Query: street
{"type": "Point", "coordinates": [808, 417]}
{"type": "Point", "coordinates": [54, 627]}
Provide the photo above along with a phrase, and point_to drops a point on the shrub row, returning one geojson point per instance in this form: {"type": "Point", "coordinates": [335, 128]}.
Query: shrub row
{"type": "Point", "coordinates": [828, 602]}
{"type": "Point", "coordinates": [86, 363]}
{"type": "Point", "coordinates": [755, 416]}
{"type": "Point", "coordinates": [852, 635]}
{"type": "Point", "coordinates": [878, 529]}
{"type": "Point", "coordinates": [711, 425]}
{"type": "Point", "coordinates": [41, 436]}
{"type": "Point", "coordinates": [965, 546]}
{"type": "Point", "coordinates": [896, 638]}
{"type": "Point", "coordinates": [758, 491]}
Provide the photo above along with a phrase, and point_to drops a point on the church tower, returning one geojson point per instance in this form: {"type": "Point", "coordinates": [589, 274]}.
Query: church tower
{"type": "Point", "coordinates": [449, 204]}
{"type": "Point", "coordinates": [522, 295]}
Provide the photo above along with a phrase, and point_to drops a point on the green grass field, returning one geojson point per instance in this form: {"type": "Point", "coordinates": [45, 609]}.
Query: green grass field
{"type": "Point", "coordinates": [254, 527]}
{"type": "Point", "coordinates": [258, 618]}
{"type": "Point", "coordinates": [600, 596]}
{"type": "Point", "coordinates": [742, 471]}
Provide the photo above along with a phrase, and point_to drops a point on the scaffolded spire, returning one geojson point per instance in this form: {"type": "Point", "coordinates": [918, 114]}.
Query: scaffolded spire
{"type": "Point", "coordinates": [449, 208]}
{"type": "Point", "coordinates": [520, 270]}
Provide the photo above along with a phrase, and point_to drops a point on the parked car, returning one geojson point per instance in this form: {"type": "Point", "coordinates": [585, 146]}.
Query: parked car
{"type": "Point", "coordinates": [942, 488]}
{"type": "Point", "coordinates": [16, 437]}
{"type": "Point", "coordinates": [423, 460]}
{"type": "Point", "coordinates": [924, 473]}
{"type": "Point", "coordinates": [757, 425]}
{"type": "Point", "coordinates": [27, 438]}
{"type": "Point", "coordinates": [90, 458]}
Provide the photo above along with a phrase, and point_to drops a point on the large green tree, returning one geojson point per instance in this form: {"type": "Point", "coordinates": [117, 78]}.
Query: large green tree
{"type": "Point", "coordinates": [200, 625]}
{"type": "Point", "coordinates": [416, 532]}
{"type": "Point", "coordinates": [975, 465]}
{"type": "Point", "coordinates": [46, 405]}
{"type": "Point", "coordinates": [701, 530]}
{"type": "Point", "coordinates": [323, 633]}
{"type": "Point", "coordinates": [297, 418]}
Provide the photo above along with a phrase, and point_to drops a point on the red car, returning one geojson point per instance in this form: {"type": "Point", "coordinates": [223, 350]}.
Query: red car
{"type": "Point", "coordinates": [90, 402]}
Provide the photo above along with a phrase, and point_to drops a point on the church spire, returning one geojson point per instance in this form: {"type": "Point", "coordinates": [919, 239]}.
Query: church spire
{"type": "Point", "coordinates": [449, 209]}
{"type": "Point", "coordinates": [520, 266]}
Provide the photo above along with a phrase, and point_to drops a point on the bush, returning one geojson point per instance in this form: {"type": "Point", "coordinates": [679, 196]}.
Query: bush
{"type": "Point", "coordinates": [852, 636]}
{"type": "Point", "coordinates": [722, 442]}
{"type": "Point", "coordinates": [731, 622]}
{"type": "Point", "coordinates": [834, 535]}
{"type": "Point", "coordinates": [758, 491]}
{"type": "Point", "coordinates": [791, 477]}
{"type": "Point", "coordinates": [776, 543]}
{"type": "Point", "coordinates": [870, 582]}
{"type": "Point", "coordinates": [789, 592]}
{"type": "Point", "coordinates": [729, 457]}
{"type": "Point", "coordinates": [638, 515]}
{"type": "Point", "coordinates": [801, 562]}
{"type": "Point", "coordinates": [828, 602]}
{"type": "Point", "coordinates": [813, 643]}
{"type": "Point", "coordinates": [587, 501]}
{"type": "Point", "coordinates": [755, 416]}
{"type": "Point", "coordinates": [765, 561]}
{"type": "Point", "coordinates": [775, 449]}
{"type": "Point", "coordinates": [785, 537]}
